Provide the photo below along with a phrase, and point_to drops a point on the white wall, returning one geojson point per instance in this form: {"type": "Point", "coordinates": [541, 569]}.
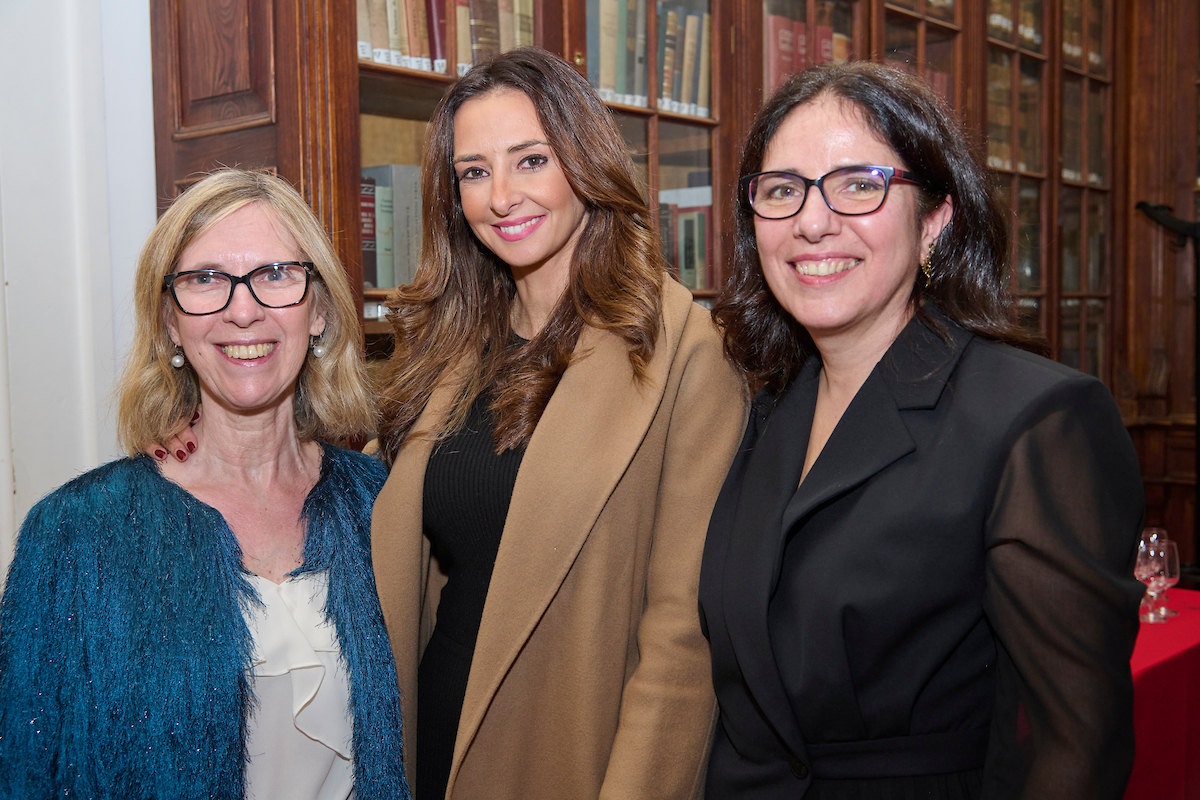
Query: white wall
{"type": "Point", "coordinates": [76, 201]}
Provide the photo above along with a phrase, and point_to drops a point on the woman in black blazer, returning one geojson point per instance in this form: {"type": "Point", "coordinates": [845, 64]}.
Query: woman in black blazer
{"type": "Point", "coordinates": [918, 576]}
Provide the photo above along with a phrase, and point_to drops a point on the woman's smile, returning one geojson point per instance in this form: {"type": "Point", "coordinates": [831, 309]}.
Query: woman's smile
{"type": "Point", "coordinates": [248, 352]}
{"type": "Point", "coordinates": [515, 230]}
{"type": "Point", "coordinates": [822, 267]}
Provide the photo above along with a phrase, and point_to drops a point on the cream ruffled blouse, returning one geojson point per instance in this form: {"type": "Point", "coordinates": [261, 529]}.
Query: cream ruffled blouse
{"type": "Point", "coordinates": [300, 728]}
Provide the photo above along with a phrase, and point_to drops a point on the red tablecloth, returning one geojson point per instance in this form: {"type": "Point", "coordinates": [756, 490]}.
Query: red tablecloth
{"type": "Point", "coordinates": [1166, 704]}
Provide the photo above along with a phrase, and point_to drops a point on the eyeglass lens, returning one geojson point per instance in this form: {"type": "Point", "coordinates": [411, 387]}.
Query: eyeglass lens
{"type": "Point", "coordinates": [209, 291]}
{"type": "Point", "coordinates": [850, 191]}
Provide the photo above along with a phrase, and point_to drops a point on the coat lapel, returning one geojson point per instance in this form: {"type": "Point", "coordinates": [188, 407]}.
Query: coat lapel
{"type": "Point", "coordinates": [400, 552]}
{"type": "Point", "coordinates": [590, 431]}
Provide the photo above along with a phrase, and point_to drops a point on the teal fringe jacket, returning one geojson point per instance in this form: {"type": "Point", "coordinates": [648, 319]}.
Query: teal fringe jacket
{"type": "Point", "coordinates": [124, 655]}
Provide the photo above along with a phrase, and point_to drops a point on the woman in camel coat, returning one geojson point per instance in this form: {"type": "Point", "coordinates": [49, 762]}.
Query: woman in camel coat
{"type": "Point", "coordinates": [589, 676]}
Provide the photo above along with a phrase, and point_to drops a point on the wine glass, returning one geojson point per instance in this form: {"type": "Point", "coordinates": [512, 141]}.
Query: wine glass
{"type": "Point", "coordinates": [1170, 575]}
{"type": "Point", "coordinates": [1153, 535]}
{"type": "Point", "coordinates": [1149, 569]}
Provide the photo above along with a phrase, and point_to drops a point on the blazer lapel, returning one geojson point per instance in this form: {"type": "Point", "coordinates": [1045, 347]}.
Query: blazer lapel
{"type": "Point", "coordinates": [584, 441]}
{"type": "Point", "coordinates": [871, 433]}
{"type": "Point", "coordinates": [869, 436]}
{"type": "Point", "coordinates": [770, 471]}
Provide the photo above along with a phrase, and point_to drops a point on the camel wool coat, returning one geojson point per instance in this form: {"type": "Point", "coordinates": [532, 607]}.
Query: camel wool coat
{"type": "Point", "coordinates": [590, 677]}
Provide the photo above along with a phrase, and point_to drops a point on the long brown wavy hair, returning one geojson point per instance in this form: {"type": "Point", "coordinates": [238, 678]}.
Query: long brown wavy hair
{"type": "Point", "coordinates": [970, 268]}
{"type": "Point", "coordinates": [459, 304]}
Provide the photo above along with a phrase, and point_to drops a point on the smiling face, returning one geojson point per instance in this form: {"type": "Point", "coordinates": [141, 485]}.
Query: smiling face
{"type": "Point", "coordinates": [842, 276]}
{"type": "Point", "coordinates": [247, 357]}
{"type": "Point", "coordinates": [514, 193]}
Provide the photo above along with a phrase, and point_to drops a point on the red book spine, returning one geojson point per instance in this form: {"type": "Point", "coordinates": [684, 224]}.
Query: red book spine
{"type": "Point", "coordinates": [435, 12]}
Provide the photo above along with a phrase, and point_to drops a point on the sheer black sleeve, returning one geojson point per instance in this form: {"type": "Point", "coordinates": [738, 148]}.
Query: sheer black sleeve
{"type": "Point", "coordinates": [1062, 601]}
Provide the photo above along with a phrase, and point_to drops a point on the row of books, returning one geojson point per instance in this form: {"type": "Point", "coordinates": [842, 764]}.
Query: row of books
{"type": "Point", "coordinates": [685, 57]}
{"type": "Point", "coordinates": [390, 214]}
{"type": "Point", "coordinates": [486, 27]}
{"type": "Point", "coordinates": [617, 44]}
{"type": "Point", "coordinates": [685, 223]}
{"type": "Point", "coordinates": [412, 33]}
{"type": "Point", "coordinates": [617, 50]}
{"type": "Point", "coordinates": [785, 42]}
{"type": "Point", "coordinates": [403, 33]}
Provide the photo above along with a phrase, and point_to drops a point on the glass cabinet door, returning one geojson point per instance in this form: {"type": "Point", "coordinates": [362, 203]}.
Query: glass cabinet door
{"type": "Point", "coordinates": [924, 37]}
{"type": "Point", "coordinates": [654, 62]}
{"type": "Point", "coordinates": [1084, 189]}
{"type": "Point", "coordinates": [1016, 117]}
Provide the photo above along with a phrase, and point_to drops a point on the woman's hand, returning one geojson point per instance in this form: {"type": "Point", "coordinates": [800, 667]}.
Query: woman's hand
{"type": "Point", "coordinates": [179, 446]}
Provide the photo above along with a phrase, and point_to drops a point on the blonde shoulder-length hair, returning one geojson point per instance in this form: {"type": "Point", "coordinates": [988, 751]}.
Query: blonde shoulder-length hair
{"type": "Point", "coordinates": [333, 401]}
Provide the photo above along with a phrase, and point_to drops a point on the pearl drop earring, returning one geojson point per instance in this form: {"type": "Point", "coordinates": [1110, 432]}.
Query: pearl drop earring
{"type": "Point", "coordinates": [318, 349]}
{"type": "Point", "coordinates": [178, 360]}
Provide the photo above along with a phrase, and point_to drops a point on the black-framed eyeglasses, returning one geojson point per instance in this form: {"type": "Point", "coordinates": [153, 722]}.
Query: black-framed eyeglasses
{"type": "Point", "coordinates": [207, 291]}
{"type": "Point", "coordinates": [849, 191]}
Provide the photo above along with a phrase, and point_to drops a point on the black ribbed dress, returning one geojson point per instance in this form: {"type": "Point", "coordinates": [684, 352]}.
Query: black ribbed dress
{"type": "Point", "coordinates": [468, 488]}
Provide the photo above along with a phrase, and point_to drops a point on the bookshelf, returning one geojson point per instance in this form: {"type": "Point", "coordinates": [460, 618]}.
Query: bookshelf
{"type": "Point", "coordinates": [1078, 105]}
{"type": "Point", "coordinates": [683, 79]}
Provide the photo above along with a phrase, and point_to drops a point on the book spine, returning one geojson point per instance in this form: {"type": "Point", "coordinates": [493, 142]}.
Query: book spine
{"type": "Point", "coordinates": [366, 209]}
{"type": "Point", "coordinates": [364, 30]}
{"type": "Point", "coordinates": [629, 52]}
{"type": "Point", "coordinates": [406, 182]}
{"type": "Point", "coordinates": [462, 35]}
{"type": "Point", "coordinates": [485, 29]}
{"type": "Point", "coordinates": [691, 45]}
{"type": "Point", "coordinates": [824, 44]}
{"type": "Point", "coordinates": [385, 253]}
{"type": "Point", "coordinates": [661, 50]}
{"type": "Point", "coordinates": [593, 43]}
{"type": "Point", "coordinates": [608, 48]}
{"type": "Point", "coordinates": [799, 45]}
{"type": "Point", "coordinates": [523, 22]}
{"type": "Point", "coordinates": [387, 237]}
{"type": "Point", "coordinates": [686, 229]}
{"type": "Point", "coordinates": [435, 12]}
{"type": "Point", "coordinates": [639, 86]}
{"type": "Point", "coordinates": [381, 48]}
{"type": "Point", "coordinates": [704, 68]}
{"type": "Point", "coordinates": [620, 46]}
{"type": "Point", "coordinates": [779, 41]}
{"type": "Point", "coordinates": [681, 14]}
{"type": "Point", "coordinates": [397, 34]}
{"type": "Point", "coordinates": [666, 232]}
{"type": "Point", "coordinates": [418, 35]}
{"type": "Point", "coordinates": [414, 221]}
{"type": "Point", "coordinates": [668, 62]}
{"type": "Point", "coordinates": [507, 25]}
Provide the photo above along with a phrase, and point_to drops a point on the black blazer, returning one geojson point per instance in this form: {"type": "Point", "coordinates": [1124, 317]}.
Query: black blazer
{"type": "Point", "coordinates": [951, 584]}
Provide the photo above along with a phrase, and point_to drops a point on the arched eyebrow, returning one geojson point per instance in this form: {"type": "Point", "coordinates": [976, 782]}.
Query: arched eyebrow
{"type": "Point", "coordinates": [526, 145]}
{"type": "Point", "coordinates": [516, 148]}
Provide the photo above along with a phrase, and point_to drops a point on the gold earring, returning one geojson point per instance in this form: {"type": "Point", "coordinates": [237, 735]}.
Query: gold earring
{"type": "Point", "coordinates": [927, 265]}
